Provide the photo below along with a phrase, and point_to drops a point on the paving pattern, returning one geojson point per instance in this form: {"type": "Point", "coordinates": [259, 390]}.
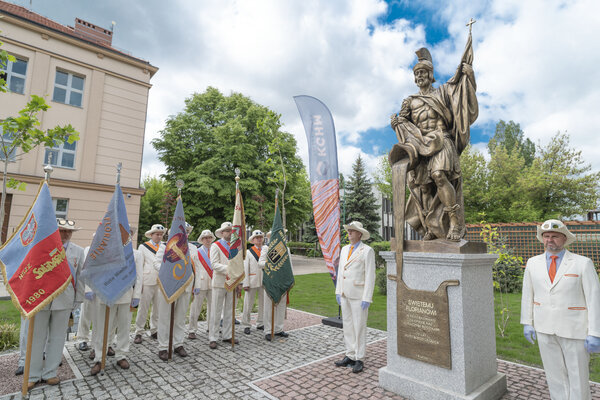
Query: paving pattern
{"type": "Point", "coordinates": [299, 367]}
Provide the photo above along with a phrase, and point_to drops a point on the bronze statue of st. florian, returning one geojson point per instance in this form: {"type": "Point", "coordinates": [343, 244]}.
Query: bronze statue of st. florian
{"type": "Point", "coordinates": [433, 129]}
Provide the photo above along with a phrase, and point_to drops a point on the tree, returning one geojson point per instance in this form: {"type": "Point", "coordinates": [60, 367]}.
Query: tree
{"type": "Point", "coordinates": [360, 200]}
{"type": "Point", "coordinates": [310, 235]}
{"type": "Point", "coordinates": [151, 205]}
{"type": "Point", "coordinates": [511, 137]}
{"type": "Point", "coordinates": [383, 177]}
{"type": "Point", "coordinates": [559, 183]}
{"type": "Point", "coordinates": [21, 133]}
{"type": "Point", "coordinates": [214, 134]}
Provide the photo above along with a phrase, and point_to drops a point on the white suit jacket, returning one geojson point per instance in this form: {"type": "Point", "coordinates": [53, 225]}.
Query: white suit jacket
{"type": "Point", "coordinates": [203, 280]}
{"type": "Point", "coordinates": [150, 274]}
{"type": "Point", "coordinates": [191, 251]}
{"type": "Point", "coordinates": [66, 300]}
{"type": "Point", "coordinates": [570, 306]}
{"type": "Point", "coordinates": [219, 263]}
{"type": "Point", "coordinates": [253, 268]}
{"type": "Point", "coordinates": [356, 275]}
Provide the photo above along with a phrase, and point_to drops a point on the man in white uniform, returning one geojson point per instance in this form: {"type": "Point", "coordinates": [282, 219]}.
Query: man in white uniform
{"type": "Point", "coordinates": [561, 303]}
{"type": "Point", "coordinates": [253, 281]}
{"type": "Point", "coordinates": [150, 290]}
{"type": "Point", "coordinates": [181, 306]}
{"type": "Point", "coordinates": [51, 323]}
{"type": "Point", "coordinates": [204, 275]}
{"type": "Point", "coordinates": [119, 320]}
{"type": "Point", "coordinates": [354, 292]}
{"type": "Point", "coordinates": [222, 300]}
{"type": "Point", "coordinates": [87, 315]}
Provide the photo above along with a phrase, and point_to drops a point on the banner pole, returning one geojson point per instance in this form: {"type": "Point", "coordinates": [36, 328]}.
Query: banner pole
{"type": "Point", "coordinates": [30, 329]}
{"type": "Point", "coordinates": [233, 294]}
{"type": "Point", "coordinates": [272, 320]}
{"type": "Point", "coordinates": [105, 339]}
{"type": "Point", "coordinates": [171, 330]}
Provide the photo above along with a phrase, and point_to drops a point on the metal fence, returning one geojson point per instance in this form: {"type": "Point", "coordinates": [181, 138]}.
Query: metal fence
{"type": "Point", "coordinates": [521, 238]}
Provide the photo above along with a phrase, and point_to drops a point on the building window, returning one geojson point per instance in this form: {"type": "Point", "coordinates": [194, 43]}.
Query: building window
{"type": "Point", "coordinates": [61, 206]}
{"type": "Point", "coordinates": [68, 88]}
{"type": "Point", "coordinates": [61, 156]}
{"type": "Point", "coordinates": [14, 74]}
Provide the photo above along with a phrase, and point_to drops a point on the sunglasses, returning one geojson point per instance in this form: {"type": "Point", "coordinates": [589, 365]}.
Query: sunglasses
{"type": "Point", "coordinates": [62, 221]}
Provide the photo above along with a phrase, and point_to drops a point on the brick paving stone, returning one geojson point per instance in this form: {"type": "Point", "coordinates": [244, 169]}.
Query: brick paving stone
{"type": "Point", "coordinates": [299, 367]}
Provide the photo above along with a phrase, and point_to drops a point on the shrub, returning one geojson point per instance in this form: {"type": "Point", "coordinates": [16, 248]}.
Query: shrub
{"type": "Point", "coordinates": [377, 247]}
{"type": "Point", "coordinates": [381, 280]}
{"type": "Point", "coordinates": [305, 249]}
{"type": "Point", "coordinates": [9, 336]}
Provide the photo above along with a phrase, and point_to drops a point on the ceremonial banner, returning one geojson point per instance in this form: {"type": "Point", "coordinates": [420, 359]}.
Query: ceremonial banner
{"type": "Point", "coordinates": [237, 245]}
{"type": "Point", "coordinates": [33, 261]}
{"type": "Point", "coordinates": [277, 274]}
{"type": "Point", "coordinates": [324, 178]}
{"type": "Point", "coordinates": [176, 270]}
{"type": "Point", "coordinates": [109, 268]}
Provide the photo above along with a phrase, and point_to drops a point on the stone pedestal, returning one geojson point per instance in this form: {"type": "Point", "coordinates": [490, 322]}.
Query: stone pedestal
{"type": "Point", "coordinates": [474, 372]}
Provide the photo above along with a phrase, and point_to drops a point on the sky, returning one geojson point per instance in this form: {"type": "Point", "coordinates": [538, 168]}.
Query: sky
{"type": "Point", "coordinates": [535, 61]}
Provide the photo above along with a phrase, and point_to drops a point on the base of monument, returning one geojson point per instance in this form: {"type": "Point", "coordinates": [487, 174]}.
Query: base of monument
{"type": "Point", "coordinates": [493, 389]}
{"type": "Point", "coordinates": [333, 321]}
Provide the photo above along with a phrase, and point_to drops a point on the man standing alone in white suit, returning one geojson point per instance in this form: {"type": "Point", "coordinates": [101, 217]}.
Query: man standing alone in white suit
{"type": "Point", "coordinates": [561, 303]}
{"type": "Point", "coordinates": [354, 292]}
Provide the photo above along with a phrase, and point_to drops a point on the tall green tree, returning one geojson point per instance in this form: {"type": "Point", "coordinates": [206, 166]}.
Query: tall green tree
{"type": "Point", "coordinates": [151, 205]}
{"type": "Point", "coordinates": [475, 181]}
{"type": "Point", "coordinates": [360, 200]}
{"type": "Point", "coordinates": [214, 134]}
{"type": "Point", "coordinates": [20, 134]}
{"type": "Point", "coordinates": [510, 136]}
{"type": "Point", "coordinates": [383, 177]}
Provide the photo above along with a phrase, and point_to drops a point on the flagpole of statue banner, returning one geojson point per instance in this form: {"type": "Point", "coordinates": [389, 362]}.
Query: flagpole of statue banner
{"type": "Point", "coordinates": [31, 323]}
{"type": "Point", "coordinates": [234, 292]}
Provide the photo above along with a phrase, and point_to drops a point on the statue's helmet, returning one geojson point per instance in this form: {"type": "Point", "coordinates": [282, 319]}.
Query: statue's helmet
{"type": "Point", "coordinates": [424, 61]}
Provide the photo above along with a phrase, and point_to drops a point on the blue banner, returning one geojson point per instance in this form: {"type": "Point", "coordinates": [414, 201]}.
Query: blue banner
{"type": "Point", "coordinates": [33, 261]}
{"type": "Point", "coordinates": [320, 132]}
{"type": "Point", "coordinates": [109, 267]}
{"type": "Point", "coordinates": [176, 269]}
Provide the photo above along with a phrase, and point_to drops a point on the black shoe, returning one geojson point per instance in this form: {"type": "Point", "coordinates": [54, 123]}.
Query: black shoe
{"type": "Point", "coordinates": [345, 362]}
{"type": "Point", "coordinates": [19, 371]}
{"type": "Point", "coordinates": [247, 331]}
{"type": "Point", "coordinates": [237, 322]}
{"type": "Point", "coordinates": [83, 346]}
{"type": "Point", "coordinates": [154, 335]}
{"type": "Point", "coordinates": [358, 367]}
{"type": "Point", "coordinates": [110, 352]}
{"type": "Point", "coordinates": [260, 328]}
{"type": "Point", "coordinates": [282, 334]}
{"type": "Point", "coordinates": [268, 337]}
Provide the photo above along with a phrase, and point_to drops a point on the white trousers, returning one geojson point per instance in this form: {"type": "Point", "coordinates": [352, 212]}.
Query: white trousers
{"type": "Point", "coordinates": [355, 328]}
{"type": "Point", "coordinates": [23, 341]}
{"type": "Point", "coordinates": [566, 364]}
{"type": "Point", "coordinates": [119, 319]}
{"type": "Point", "coordinates": [196, 308]}
{"type": "Point", "coordinates": [164, 322]}
{"type": "Point", "coordinates": [86, 317]}
{"type": "Point", "coordinates": [222, 301]}
{"type": "Point", "coordinates": [49, 333]}
{"type": "Point", "coordinates": [249, 298]}
{"type": "Point", "coordinates": [279, 313]}
{"type": "Point", "coordinates": [150, 295]}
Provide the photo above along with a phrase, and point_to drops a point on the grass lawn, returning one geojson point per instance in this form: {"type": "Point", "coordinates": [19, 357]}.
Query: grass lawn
{"type": "Point", "coordinates": [315, 293]}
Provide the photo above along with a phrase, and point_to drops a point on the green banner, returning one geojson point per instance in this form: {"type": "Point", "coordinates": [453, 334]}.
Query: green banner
{"type": "Point", "coordinates": [277, 277]}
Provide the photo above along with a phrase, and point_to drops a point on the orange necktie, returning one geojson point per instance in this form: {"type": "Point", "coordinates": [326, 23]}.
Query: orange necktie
{"type": "Point", "coordinates": [552, 270]}
{"type": "Point", "coordinates": [350, 252]}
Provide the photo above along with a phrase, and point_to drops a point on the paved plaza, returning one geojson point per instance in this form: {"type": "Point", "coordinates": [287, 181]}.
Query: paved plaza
{"type": "Point", "coordinates": [299, 367]}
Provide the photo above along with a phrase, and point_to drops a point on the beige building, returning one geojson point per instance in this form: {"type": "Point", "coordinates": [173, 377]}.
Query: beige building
{"type": "Point", "coordinates": [101, 91]}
